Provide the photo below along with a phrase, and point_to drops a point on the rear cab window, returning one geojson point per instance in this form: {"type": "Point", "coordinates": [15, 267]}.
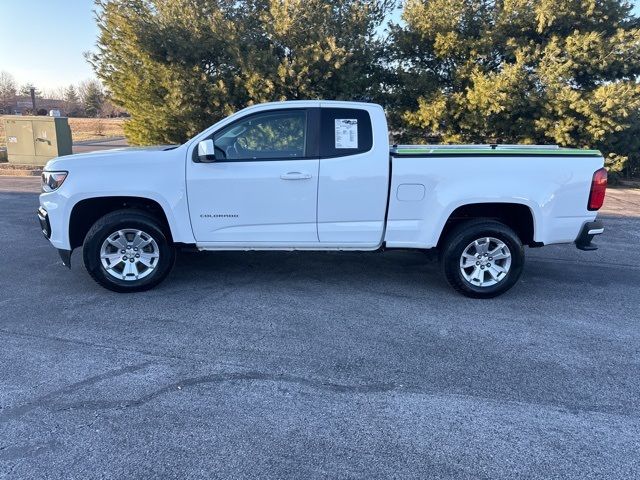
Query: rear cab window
{"type": "Point", "coordinates": [344, 131]}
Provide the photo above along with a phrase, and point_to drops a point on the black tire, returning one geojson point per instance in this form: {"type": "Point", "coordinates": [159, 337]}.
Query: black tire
{"type": "Point", "coordinates": [461, 237]}
{"type": "Point", "coordinates": [123, 220]}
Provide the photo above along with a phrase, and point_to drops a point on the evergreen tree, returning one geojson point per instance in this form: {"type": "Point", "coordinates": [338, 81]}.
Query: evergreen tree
{"type": "Point", "coordinates": [25, 90]}
{"type": "Point", "coordinates": [92, 96]}
{"type": "Point", "coordinates": [532, 71]}
{"type": "Point", "coordinates": [71, 101]}
{"type": "Point", "coordinates": [177, 66]}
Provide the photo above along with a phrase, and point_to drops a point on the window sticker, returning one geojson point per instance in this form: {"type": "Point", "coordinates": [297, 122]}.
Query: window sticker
{"type": "Point", "coordinates": [346, 133]}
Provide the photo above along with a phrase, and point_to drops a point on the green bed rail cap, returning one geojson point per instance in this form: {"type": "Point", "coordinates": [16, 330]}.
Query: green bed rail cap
{"type": "Point", "coordinates": [503, 150]}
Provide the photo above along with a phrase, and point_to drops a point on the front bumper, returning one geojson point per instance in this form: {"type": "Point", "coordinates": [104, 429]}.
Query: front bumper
{"type": "Point", "coordinates": [53, 204]}
{"type": "Point", "coordinates": [65, 255]}
{"type": "Point", "coordinates": [45, 226]}
{"type": "Point", "coordinates": [588, 231]}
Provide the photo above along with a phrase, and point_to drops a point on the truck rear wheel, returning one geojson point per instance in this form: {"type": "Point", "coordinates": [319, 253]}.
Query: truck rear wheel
{"type": "Point", "coordinates": [482, 258]}
{"type": "Point", "coordinates": [127, 251]}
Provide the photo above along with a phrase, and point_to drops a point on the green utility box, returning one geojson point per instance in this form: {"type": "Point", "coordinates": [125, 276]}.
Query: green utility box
{"type": "Point", "coordinates": [34, 140]}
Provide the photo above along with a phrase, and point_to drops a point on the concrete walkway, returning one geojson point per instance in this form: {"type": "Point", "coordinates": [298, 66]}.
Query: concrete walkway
{"type": "Point", "coordinates": [93, 145]}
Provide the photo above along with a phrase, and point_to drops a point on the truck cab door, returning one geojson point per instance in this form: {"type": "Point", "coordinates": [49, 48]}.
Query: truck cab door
{"type": "Point", "coordinates": [261, 188]}
{"type": "Point", "coordinates": [353, 183]}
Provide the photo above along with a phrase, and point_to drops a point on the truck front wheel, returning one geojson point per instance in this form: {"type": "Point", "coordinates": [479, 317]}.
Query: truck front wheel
{"type": "Point", "coordinates": [482, 258]}
{"type": "Point", "coordinates": [127, 251]}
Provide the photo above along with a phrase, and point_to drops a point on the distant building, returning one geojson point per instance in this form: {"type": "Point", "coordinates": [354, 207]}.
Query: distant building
{"type": "Point", "coordinates": [22, 105]}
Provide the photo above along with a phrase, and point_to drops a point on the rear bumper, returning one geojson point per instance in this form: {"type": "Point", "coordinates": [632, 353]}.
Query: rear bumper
{"type": "Point", "coordinates": [587, 233]}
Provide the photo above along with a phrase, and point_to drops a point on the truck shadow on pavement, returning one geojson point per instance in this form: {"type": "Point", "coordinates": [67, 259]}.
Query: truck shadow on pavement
{"type": "Point", "coordinates": [395, 273]}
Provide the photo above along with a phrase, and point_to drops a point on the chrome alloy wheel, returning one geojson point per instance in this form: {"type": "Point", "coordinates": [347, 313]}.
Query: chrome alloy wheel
{"type": "Point", "coordinates": [129, 254]}
{"type": "Point", "coordinates": [485, 262]}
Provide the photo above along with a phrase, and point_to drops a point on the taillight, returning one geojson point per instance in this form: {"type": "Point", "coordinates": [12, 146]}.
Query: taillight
{"type": "Point", "coordinates": [598, 189]}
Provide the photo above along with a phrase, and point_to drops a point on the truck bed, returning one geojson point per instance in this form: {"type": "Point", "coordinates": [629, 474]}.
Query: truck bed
{"type": "Point", "coordinates": [423, 195]}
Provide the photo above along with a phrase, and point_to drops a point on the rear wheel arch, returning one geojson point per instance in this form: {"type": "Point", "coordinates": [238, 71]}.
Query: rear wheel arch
{"type": "Point", "coordinates": [517, 216]}
{"type": "Point", "coordinates": [87, 212]}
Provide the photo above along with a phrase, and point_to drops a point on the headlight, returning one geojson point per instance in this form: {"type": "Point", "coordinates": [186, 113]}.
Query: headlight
{"type": "Point", "coordinates": [52, 180]}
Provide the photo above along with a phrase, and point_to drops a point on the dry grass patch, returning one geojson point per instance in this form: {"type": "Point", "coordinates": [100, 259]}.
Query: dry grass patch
{"type": "Point", "coordinates": [96, 128]}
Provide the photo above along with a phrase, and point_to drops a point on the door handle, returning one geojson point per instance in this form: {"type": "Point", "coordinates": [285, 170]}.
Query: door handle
{"type": "Point", "coordinates": [295, 176]}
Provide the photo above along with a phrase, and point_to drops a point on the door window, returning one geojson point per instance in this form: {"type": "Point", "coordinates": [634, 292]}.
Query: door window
{"type": "Point", "coordinates": [277, 135]}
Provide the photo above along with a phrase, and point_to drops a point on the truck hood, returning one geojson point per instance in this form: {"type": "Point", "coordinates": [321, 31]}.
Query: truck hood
{"type": "Point", "coordinates": [112, 158]}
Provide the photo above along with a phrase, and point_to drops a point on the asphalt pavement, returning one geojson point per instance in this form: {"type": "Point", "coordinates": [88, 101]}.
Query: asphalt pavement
{"type": "Point", "coordinates": [319, 365]}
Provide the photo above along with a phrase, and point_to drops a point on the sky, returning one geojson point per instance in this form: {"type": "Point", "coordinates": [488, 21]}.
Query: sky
{"type": "Point", "coordinates": [42, 41]}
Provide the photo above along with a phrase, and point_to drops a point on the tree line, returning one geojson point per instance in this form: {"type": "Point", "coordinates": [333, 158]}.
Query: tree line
{"type": "Point", "coordinates": [86, 99]}
{"type": "Point", "coordinates": [509, 71]}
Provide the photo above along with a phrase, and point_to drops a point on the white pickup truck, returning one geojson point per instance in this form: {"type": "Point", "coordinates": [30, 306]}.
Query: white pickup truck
{"type": "Point", "coordinates": [319, 175]}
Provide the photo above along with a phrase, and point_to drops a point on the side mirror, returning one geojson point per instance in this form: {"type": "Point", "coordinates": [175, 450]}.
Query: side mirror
{"type": "Point", "coordinates": [206, 151]}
